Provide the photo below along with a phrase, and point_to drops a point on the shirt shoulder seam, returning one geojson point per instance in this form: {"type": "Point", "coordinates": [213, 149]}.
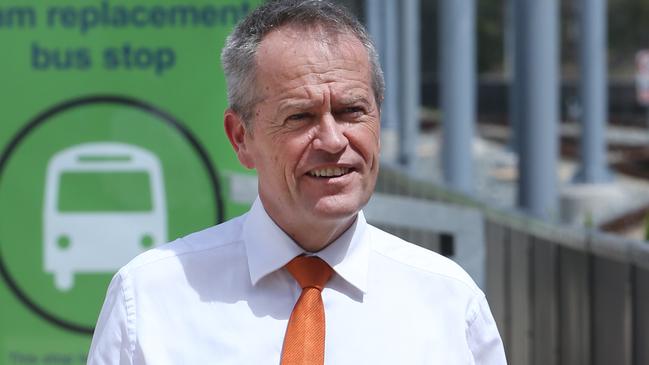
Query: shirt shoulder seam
{"type": "Point", "coordinates": [435, 273]}
{"type": "Point", "coordinates": [153, 260]}
{"type": "Point", "coordinates": [129, 308]}
{"type": "Point", "coordinates": [473, 288]}
{"type": "Point", "coordinates": [474, 311]}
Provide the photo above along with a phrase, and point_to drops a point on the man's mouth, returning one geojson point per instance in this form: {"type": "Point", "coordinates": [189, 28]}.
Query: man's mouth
{"type": "Point", "coordinates": [329, 172]}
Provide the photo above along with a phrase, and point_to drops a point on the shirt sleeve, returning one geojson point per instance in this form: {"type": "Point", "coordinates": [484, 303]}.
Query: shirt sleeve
{"type": "Point", "coordinates": [483, 337]}
{"type": "Point", "coordinates": [111, 341]}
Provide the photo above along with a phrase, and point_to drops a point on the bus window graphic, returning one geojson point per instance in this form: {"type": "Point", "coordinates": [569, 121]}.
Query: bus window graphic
{"type": "Point", "coordinates": [104, 204]}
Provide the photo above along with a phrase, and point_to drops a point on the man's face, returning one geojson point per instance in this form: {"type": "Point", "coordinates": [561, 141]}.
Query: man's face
{"type": "Point", "coordinates": [315, 131]}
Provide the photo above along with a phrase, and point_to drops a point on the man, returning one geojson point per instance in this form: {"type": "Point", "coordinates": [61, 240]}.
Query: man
{"type": "Point", "coordinates": [304, 88]}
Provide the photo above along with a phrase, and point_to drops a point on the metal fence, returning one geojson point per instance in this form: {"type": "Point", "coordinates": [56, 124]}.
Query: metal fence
{"type": "Point", "coordinates": [559, 295]}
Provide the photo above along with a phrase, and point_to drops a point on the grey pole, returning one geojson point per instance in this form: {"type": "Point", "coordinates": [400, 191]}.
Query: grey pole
{"type": "Point", "coordinates": [373, 21]}
{"type": "Point", "coordinates": [457, 90]}
{"type": "Point", "coordinates": [537, 55]}
{"type": "Point", "coordinates": [391, 63]}
{"type": "Point", "coordinates": [513, 70]}
{"type": "Point", "coordinates": [593, 93]}
{"type": "Point", "coordinates": [410, 83]}
{"type": "Point", "coordinates": [390, 115]}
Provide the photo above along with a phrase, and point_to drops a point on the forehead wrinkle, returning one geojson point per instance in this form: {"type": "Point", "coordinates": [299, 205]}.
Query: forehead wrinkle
{"type": "Point", "coordinates": [305, 97]}
{"type": "Point", "coordinates": [288, 89]}
{"type": "Point", "coordinates": [353, 99]}
{"type": "Point", "coordinates": [296, 103]}
{"type": "Point", "coordinates": [323, 58]}
{"type": "Point", "coordinates": [300, 97]}
{"type": "Point", "coordinates": [351, 92]}
{"type": "Point", "coordinates": [312, 75]}
{"type": "Point", "coordinates": [317, 64]}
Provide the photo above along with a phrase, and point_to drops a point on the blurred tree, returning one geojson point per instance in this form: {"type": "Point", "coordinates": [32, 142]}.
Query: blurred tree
{"type": "Point", "coordinates": [627, 33]}
{"type": "Point", "coordinates": [490, 27]}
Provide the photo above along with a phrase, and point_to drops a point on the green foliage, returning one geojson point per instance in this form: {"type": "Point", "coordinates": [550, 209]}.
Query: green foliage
{"type": "Point", "coordinates": [491, 21]}
{"type": "Point", "coordinates": [627, 32]}
{"type": "Point", "coordinates": [589, 221]}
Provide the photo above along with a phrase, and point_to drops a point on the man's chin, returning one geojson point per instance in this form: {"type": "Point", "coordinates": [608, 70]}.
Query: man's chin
{"type": "Point", "coordinates": [335, 207]}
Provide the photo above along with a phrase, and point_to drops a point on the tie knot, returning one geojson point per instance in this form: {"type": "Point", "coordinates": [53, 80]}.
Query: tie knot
{"type": "Point", "coordinates": [310, 271]}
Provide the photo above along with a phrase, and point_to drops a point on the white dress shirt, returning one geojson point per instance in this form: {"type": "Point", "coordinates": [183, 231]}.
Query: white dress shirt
{"type": "Point", "coordinates": [222, 296]}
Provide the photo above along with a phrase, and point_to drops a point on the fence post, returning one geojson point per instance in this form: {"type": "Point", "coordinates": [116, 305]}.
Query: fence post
{"type": "Point", "coordinates": [391, 113]}
{"type": "Point", "coordinates": [498, 293]}
{"type": "Point", "coordinates": [410, 83]}
{"type": "Point", "coordinates": [521, 261]}
{"type": "Point", "coordinates": [546, 311]}
{"type": "Point", "coordinates": [457, 74]}
{"type": "Point", "coordinates": [612, 314]}
{"type": "Point", "coordinates": [593, 90]}
{"type": "Point", "coordinates": [574, 307]}
{"type": "Point", "coordinates": [641, 316]}
{"type": "Point", "coordinates": [537, 56]}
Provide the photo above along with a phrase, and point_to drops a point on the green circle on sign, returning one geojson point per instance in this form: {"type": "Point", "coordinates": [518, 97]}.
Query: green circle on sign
{"type": "Point", "coordinates": [147, 241]}
{"type": "Point", "coordinates": [63, 242]}
{"type": "Point", "coordinates": [103, 176]}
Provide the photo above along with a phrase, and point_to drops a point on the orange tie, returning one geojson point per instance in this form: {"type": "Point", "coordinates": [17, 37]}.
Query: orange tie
{"type": "Point", "coordinates": [305, 335]}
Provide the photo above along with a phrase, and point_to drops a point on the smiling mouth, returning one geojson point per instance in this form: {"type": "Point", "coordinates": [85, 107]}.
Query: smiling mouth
{"type": "Point", "coordinates": [329, 172]}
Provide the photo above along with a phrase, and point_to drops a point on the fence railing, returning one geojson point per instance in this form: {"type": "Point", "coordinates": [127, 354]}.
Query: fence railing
{"type": "Point", "coordinates": [560, 295]}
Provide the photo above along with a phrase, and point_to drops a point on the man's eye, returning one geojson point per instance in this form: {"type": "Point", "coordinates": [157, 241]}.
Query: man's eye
{"type": "Point", "coordinates": [298, 116]}
{"type": "Point", "coordinates": [355, 111]}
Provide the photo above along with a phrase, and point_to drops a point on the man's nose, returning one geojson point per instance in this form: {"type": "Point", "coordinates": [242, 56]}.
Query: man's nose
{"type": "Point", "coordinates": [330, 136]}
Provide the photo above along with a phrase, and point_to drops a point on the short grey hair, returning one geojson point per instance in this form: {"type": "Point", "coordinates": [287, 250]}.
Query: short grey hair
{"type": "Point", "coordinates": [238, 55]}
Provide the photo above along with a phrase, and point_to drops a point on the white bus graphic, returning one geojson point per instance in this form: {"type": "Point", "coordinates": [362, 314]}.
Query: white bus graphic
{"type": "Point", "coordinates": [104, 204]}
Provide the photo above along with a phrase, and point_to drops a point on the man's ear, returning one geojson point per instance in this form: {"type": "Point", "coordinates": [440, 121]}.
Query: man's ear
{"type": "Point", "coordinates": [236, 131]}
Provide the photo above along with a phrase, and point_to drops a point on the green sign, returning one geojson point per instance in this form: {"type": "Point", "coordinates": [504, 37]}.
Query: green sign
{"type": "Point", "coordinates": [111, 142]}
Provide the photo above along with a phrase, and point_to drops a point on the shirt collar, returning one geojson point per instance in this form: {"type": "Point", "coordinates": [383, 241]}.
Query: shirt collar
{"type": "Point", "coordinates": [269, 248]}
